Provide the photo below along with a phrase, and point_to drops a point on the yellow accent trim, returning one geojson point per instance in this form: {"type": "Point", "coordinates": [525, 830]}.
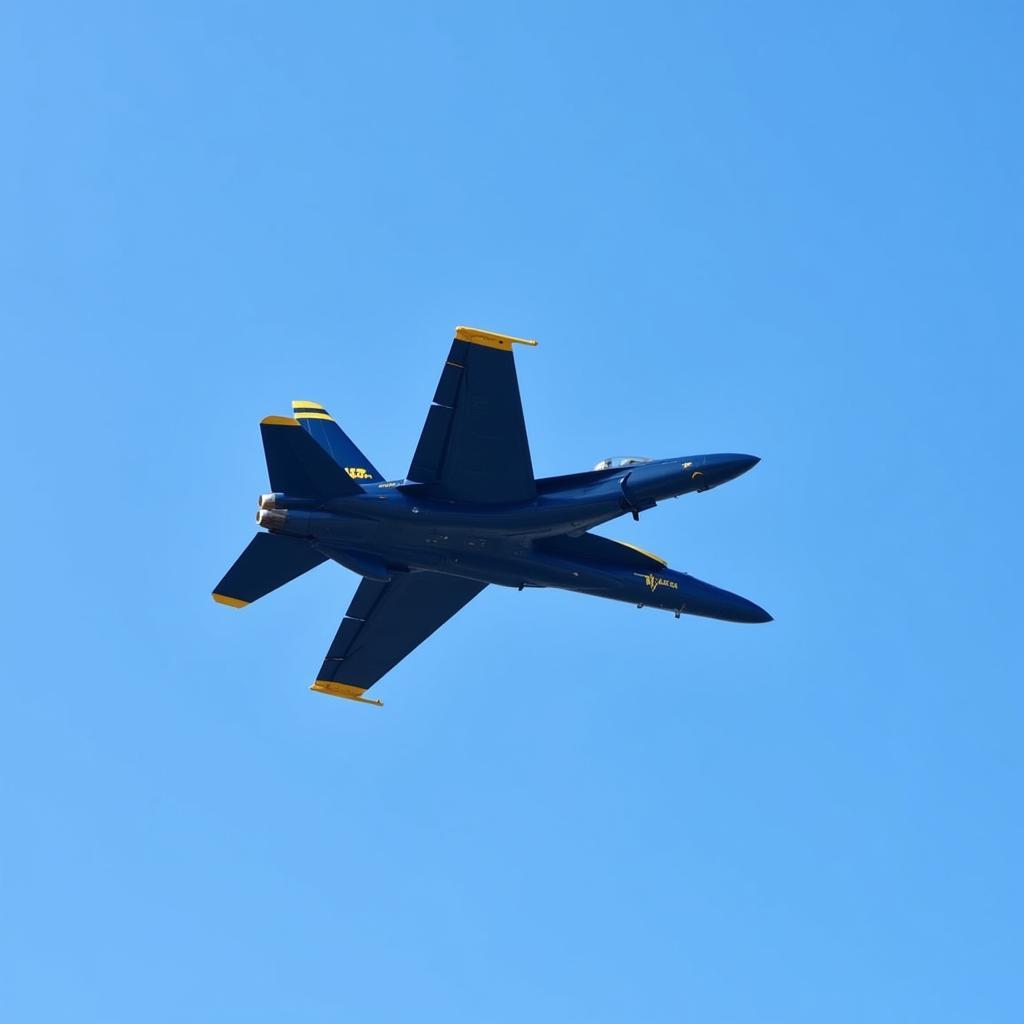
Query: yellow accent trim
{"type": "Point", "coordinates": [343, 690]}
{"type": "Point", "coordinates": [231, 602]}
{"type": "Point", "coordinates": [654, 582]}
{"type": "Point", "coordinates": [649, 554]}
{"type": "Point", "coordinates": [489, 339]}
{"type": "Point", "coordinates": [278, 421]}
{"type": "Point", "coordinates": [310, 411]}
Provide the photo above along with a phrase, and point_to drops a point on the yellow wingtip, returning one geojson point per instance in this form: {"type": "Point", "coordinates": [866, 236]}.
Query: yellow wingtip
{"type": "Point", "coordinates": [231, 602]}
{"type": "Point", "coordinates": [491, 339]}
{"type": "Point", "coordinates": [333, 689]}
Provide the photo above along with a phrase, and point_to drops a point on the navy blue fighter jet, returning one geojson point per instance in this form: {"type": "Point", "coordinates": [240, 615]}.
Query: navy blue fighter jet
{"type": "Point", "coordinates": [469, 512]}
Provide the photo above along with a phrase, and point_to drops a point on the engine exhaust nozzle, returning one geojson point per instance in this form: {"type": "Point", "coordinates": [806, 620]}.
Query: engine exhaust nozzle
{"type": "Point", "coordinates": [271, 518]}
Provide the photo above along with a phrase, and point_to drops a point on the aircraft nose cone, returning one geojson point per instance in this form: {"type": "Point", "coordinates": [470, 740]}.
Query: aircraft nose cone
{"type": "Point", "coordinates": [720, 469]}
{"type": "Point", "coordinates": [734, 608]}
{"type": "Point", "coordinates": [750, 612]}
{"type": "Point", "coordinates": [704, 599]}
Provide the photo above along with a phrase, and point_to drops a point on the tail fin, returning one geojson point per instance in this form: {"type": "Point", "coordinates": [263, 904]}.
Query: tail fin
{"type": "Point", "coordinates": [320, 425]}
{"type": "Point", "coordinates": [298, 466]}
{"type": "Point", "coordinates": [270, 561]}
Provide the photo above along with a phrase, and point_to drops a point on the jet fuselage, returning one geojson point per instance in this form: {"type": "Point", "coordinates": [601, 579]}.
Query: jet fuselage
{"type": "Point", "coordinates": [470, 511]}
{"type": "Point", "coordinates": [396, 526]}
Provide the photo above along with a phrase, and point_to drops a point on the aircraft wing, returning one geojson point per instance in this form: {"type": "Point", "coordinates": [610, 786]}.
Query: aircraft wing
{"type": "Point", "coordinates": [384, 623]}
{"type": "Point", "coordinates": [474, 445]}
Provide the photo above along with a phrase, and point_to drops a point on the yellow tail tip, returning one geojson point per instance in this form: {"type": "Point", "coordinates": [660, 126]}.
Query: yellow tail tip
{"type": "Point", "coordinates": [231, 602]}
{"type": "Point", "coordinates": [310, 411]}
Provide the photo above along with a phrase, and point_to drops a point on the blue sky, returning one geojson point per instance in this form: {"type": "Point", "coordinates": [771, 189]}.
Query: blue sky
{"type": "Point", "coordinates": [787, 229]}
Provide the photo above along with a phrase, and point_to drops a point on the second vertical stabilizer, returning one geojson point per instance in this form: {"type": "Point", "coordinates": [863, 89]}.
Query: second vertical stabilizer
{"type": "Point", "coordinates": [321, 426]}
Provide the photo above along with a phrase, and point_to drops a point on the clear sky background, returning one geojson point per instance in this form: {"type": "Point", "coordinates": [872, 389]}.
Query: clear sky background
{"type": "Point", "coordinates": [790, 229]}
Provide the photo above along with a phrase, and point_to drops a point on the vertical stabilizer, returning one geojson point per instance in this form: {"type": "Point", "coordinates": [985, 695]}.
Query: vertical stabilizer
{"type": "Point", "coordinates": [298, 466]}
{"type": "Point", "coordinates": [320, 425]}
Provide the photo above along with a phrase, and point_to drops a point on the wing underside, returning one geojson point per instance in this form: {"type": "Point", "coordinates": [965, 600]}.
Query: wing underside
{"type": "Point", "coordinates": [384, 623]}
{"type": "Point", "coordinates": [474, 445]}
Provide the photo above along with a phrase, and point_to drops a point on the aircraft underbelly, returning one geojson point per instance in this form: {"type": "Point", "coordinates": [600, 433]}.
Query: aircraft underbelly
{"type": "Point", "coordinates": [543, 516]}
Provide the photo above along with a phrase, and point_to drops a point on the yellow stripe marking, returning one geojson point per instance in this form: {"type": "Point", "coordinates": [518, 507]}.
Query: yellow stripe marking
{"type": "Point", "coordinates": [343, 690]}
{"type": "Point", "coordinates": [231, 602]}
{"type": "Point", "coordinates": [310, 411]}
{"type": "Point", "coordinates": [278, 421]}
{"type": "Point", "coordinates": [490, 339]}
{"type": "Point", "coordinates": [651, 555]}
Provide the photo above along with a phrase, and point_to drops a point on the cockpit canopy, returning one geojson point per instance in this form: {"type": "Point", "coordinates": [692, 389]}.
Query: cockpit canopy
{"type": "Point", "coordinates": [621, 461]}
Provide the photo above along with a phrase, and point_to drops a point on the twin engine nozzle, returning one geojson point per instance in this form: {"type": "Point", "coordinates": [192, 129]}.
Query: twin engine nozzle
{"type": "Point", "coordinates": [274, 508]}
{"type": "Point", "coordinates": [269, 515]}
{"type": "Point", "coordinates": [271, 518]}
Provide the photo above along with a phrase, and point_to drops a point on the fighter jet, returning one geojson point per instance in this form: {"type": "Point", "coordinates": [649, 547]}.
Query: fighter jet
{"type": "Point", "coordinates": [469, 513]}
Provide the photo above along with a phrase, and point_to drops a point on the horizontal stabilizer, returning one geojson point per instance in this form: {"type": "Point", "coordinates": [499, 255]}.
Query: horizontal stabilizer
{"type": "Point", "coordinates": [270, 561]}
{"type": "Point", "coordinates": [299, 466]}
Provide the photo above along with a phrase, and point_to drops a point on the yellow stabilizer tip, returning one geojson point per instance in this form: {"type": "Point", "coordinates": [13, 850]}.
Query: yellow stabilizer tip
{"type": "Point", "coordinates": [343, 690]}
{"type": "Point", "coordinates": [307, 405]}
{"type": "Point", "coordinates": [278, 421]}
{"type": "Point", "coordinates": [490, 339]}
{"type": "Point", "coordinates": [231, 602]}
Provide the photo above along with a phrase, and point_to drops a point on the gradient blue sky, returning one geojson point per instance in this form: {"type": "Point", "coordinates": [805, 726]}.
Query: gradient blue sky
{"type": "Point", "coordinates": [790, 229]}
